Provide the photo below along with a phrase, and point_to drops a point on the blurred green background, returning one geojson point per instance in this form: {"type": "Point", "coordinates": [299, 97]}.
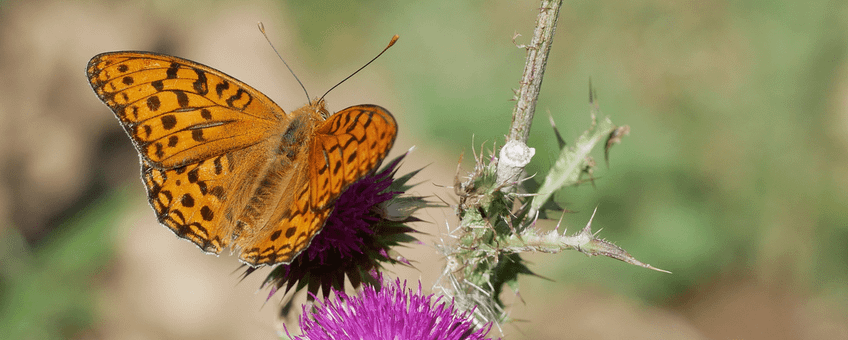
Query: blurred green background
{"type": "Point", "coordinates": [734, 176]}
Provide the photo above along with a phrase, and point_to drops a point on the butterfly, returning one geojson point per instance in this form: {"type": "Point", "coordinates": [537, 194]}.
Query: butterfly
{"type": "Point", "coordinates": [224, 166]}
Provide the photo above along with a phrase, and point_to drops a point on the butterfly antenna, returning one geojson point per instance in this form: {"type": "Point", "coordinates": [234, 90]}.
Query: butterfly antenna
{"type": "Point", "coordinates": [394, 39]}
{"type": "Point", "coordinates": [262, 29]}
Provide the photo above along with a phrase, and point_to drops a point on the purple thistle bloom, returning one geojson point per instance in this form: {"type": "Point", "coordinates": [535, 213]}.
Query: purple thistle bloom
{"type": "Point", "coordinates": [394, 312]}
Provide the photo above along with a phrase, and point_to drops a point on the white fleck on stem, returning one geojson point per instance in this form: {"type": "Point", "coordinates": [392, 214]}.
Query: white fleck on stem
{"type": "Point", "coordinates": [514, 156]}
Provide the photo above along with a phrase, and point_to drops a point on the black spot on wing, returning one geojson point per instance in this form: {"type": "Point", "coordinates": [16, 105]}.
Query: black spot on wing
{"type": "Point", "coordinates": [220, 88]}
{"type": "Point", "coordinates": [197, 135]}
{"type": "Point", "coordinates": [200, 83]}
{"type": "Point", "coordinates": [187, 201]}
{"type": "Point", "coordinates": [192, 175]}
{"type": "Point", "coordinates": [206, 213]}
{"type": "Point", "coordinates": [201, 185]}
{"type": "Point", "coordinates": [276, 235]}
{"type": "Point", "coordinates": [153, 103]}
{"type": "Point", "coordinates": [182, 98]}
{"type": "Point", "coordinates": [171, 73]}
{"type": "Point", "coordinates": [169, 121]}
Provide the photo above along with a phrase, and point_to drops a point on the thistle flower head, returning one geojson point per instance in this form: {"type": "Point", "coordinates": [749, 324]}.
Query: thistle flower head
{"type": "Point", "coordinates": [393, 312]}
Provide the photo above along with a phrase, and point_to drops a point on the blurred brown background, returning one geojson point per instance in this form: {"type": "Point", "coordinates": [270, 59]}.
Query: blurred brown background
{"type": "Point", "coordinates": [734, 176]}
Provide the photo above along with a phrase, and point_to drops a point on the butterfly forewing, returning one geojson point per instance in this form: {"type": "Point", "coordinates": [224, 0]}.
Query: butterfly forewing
{"type": "Point", "coordinates": [179, 112]}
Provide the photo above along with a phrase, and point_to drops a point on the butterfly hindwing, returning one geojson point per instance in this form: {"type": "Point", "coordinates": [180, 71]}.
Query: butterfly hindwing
{"type": "Point", "coordinates": [189, 200]}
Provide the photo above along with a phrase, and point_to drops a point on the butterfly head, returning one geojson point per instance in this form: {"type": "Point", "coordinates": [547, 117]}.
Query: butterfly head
{"type": "Point", "coordinates": [319, 106]}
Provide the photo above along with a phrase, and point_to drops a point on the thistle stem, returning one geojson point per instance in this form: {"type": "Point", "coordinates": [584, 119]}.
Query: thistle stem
{"type": "Point", "coordinates": [534, 69]}
{"type": "Point", "coordinates": [515, 155]}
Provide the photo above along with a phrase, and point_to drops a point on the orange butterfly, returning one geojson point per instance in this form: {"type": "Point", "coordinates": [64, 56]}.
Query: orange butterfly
{"type": "Point", "coordinates": [224, 165]}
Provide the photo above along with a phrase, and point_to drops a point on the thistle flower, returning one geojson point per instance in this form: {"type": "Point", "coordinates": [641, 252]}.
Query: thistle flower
{"type": "Point", "coordinates": [393, 312]}
{"type": "Point", "coordinates": [369, 219]}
